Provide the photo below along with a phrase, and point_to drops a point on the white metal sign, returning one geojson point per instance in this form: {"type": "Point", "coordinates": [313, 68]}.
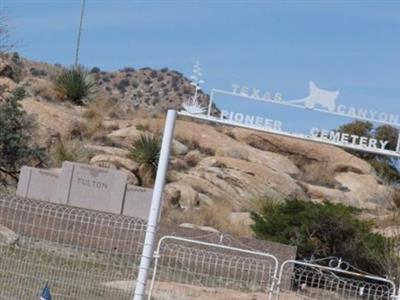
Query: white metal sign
{"type": "Point", "coordinates": [318, 100]}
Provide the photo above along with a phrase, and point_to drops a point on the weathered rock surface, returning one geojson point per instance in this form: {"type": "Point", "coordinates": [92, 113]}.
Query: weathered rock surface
{"type": "Point", "coordinates": [117, 161]}
{"type": "Point", "coordinates": [125, 135]}
{"type": "Point", "coordinates": [107, 150]}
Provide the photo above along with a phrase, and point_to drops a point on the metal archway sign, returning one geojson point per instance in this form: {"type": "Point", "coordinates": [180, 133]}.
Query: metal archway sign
{"type": "Point", "coordinates": [318, 101]}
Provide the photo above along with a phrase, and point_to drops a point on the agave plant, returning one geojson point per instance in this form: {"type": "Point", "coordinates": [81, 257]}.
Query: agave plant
{"type": "Point", "coordinates": [146, 151]}
{"type": "Point", "coordinates": [76, 85]}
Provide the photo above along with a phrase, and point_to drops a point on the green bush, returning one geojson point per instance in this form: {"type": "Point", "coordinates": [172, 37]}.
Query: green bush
{"type": "Point", "coordinates": [146, 151]}
{"type": "Point", "coordinates": [76, 85]}
{"type": "Point", "coordinates": [322, 230]}
{"type": "Point", "coordinates": [15, 139]}
{"type": "Point", "coordinates": [386, 167]}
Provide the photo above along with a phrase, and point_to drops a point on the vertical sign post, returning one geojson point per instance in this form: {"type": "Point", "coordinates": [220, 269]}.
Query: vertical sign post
{"type": "Point", "coordinates": [156, 202]}
{"type": "Point", "coordinates": [398, 144]}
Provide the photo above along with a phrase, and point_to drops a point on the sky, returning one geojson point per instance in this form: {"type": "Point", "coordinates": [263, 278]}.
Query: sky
{"type": "Point", "coordinates": [279, 46]}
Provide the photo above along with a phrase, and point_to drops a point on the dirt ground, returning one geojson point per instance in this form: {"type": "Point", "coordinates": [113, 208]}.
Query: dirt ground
{"type": "Point", "coordinates": [175, 291]}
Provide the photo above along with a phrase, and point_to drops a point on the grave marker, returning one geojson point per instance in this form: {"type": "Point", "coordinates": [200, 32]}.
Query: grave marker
{"type": "Point", "coordinates": [137, 202]}
{"type": "Point", "coordinates": [37, 184]}
{"type": "Point", "coordinates": [92, 187]}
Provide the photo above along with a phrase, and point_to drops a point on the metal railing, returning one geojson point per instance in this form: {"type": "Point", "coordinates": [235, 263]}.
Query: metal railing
{"type": "Point", "coordinates": [213, 270]}
{"type": "Point", "coordinates": [76, 251]}
{"type": "Point", "coordinates": [337, 280]}
{"type": "Point", "coordinates": [85, 254]}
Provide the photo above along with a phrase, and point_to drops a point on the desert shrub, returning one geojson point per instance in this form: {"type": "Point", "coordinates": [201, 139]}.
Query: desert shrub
{"type": "Point", "coordinates": [142, 127]}
{"type": "Point", "coordinates": [128, 69]}
{"type": "Point", "coordinates": [135, 84]}
{"type": "Point", "coordinates": [37, 72]}
{"type": "Point", "coordinates": [147, 81]}
{"type": "Point", "coordinates": [95, 70]}
{"type": "Point", "coordinates": [153, 74]}
{"type": "Point", "coordinates": [146, 151]}
{"type": "Point", "coordinates": [76, 85]}
{"type": "Point", "coordinates": [164, 70]}
{"type": "Point", "coordinates": [321, 230]}
{"type": "Point", "coordinates": [15, 139]}
{"type": "Point", "coordinates": [123, 84]}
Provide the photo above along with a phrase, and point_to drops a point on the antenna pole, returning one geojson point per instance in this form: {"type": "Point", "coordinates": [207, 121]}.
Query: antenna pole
{"type": "Point", "coordinates": [78, 42]}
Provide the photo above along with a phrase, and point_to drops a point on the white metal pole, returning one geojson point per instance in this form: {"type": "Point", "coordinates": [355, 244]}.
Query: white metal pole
{"type": "Point", "coordinates": [155, 209]}
{"type": "Point", "coordinates": [398, 144]}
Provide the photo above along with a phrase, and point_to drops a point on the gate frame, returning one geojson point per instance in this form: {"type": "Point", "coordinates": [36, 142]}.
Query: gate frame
{"type": "Point", "coordinates": [396, 291]}
{"type": "Point", "coordinates": [157, 256]}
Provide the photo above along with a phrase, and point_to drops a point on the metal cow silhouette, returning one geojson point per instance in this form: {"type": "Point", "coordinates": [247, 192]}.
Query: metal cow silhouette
{"type": "Point", "coordinates": [325, 99]}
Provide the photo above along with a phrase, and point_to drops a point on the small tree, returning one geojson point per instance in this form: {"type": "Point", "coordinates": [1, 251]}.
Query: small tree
{"type": "Point", "coordinates": [76, 85]}
{"type": "Point", "coordinates": [386, 167]}
{"type": "Point", "coordinates": [15, 150]}
{"type": "Point", "coordinates": [322, 230]}
{"type": "Point", "coordinates": [146, 151]}
{"type": "Point", "coordinates": [5, 38]}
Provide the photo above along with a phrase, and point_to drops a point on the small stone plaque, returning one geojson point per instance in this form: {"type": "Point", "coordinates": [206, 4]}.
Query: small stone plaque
{"type": "Point", "coordinates": [37, 184]}
{"type": "Point", "coordinates": [92, 187]}
{"type": "Point", "coordinates": [137, 202]}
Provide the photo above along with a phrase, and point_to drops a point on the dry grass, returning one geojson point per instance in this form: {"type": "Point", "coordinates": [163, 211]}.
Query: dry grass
{"type": "Point", "coordinates": [69, 150]}
{"type": "Point", "coordinates": [41, 88]}
{"type": "Point", "coordinates": [215, 216]}
{"type": "Point", "coordinates": [69, 278]}
{"type": "Point", "coordinates": [94, 116]}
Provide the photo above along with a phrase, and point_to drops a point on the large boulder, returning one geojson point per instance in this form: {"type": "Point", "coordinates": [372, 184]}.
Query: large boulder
{"type": "Point", "coordinates": [304, 152]}
{"type": "Point", "coordinates": [115, 151]}
{"type": "Point", "coordinates": [236, 181]}
{"type": "Point", "coordinates": [117, 161]}
{"type": "Point", "coordinates": [126, 135]}
{"type": "Point", "coordinates": [365, 192]}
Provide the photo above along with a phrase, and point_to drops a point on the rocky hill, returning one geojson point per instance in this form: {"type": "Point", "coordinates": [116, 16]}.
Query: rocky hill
{"type": "Point", "coordinates": [216, 174]}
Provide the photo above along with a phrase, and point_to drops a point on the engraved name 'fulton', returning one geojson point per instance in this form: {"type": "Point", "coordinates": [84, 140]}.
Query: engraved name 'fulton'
{"type": "Point", "coordinates": [93, 183]}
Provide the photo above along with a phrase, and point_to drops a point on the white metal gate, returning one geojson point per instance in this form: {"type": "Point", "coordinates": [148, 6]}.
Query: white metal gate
{"type": "Point", "coordinates": [337, 280]}
{"type": "Point", "coordinates": [190, 269]}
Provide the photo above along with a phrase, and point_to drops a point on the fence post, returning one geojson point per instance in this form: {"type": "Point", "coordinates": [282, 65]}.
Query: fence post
{"type": "Point", "coordinates": [156, 202]}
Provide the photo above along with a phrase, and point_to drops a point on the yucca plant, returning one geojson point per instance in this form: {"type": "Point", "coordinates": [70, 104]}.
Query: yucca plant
{"type": "Point", "coordinates": [76, 85]}
{"type": "Point", "coordinates": [146, 151]}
